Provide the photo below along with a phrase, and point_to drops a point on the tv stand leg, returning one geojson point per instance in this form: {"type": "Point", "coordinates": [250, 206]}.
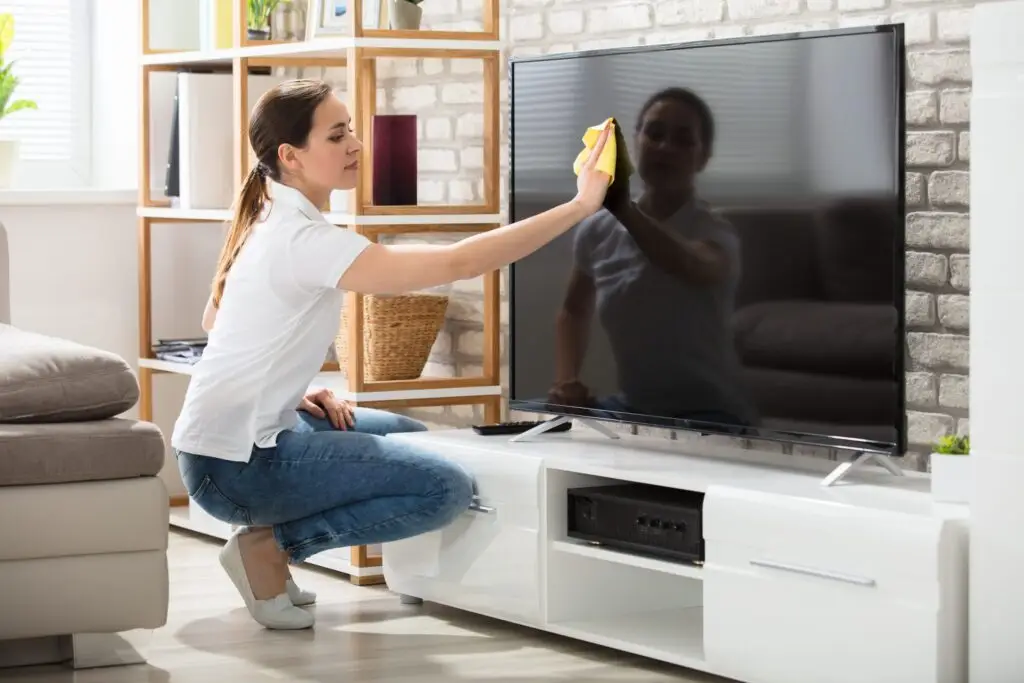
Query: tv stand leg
{"type": "Point", "coordinates": [551, 424]}
{"type": "Point", "coordinates": [862, 460]}
{"type": "Point", "coordinates": [598, 427]}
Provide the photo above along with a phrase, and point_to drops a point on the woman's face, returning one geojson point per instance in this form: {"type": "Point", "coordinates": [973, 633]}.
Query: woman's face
{"type": "Point", "coordinates": [670, 153]}
{"type": "Point", "coordinates": [330, 159]}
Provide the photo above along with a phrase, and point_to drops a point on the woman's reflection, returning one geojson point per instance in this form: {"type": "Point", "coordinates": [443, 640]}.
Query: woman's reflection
{"type": "Point", "coordinates": [661, 272]}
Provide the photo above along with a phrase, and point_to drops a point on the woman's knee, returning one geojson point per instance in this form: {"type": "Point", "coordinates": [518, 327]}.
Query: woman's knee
{"type": "Point", "coordinates": [404, 423]}
{"type": "Point", "coordinates": [383, 422]}
{"type": "Point", "coordinates": [457, 491]}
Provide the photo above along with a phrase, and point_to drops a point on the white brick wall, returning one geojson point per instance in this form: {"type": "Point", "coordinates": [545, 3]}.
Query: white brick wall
{"type": "Point", "coordinates": [447, 94]}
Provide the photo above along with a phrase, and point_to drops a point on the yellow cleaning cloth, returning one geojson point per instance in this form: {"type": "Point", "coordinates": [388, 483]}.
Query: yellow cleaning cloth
{"type": "Point", "coordinates": [609, 154]}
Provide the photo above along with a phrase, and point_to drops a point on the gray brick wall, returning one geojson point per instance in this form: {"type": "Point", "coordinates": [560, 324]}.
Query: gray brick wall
{"type": "Point", "coordinates": [447, 94]}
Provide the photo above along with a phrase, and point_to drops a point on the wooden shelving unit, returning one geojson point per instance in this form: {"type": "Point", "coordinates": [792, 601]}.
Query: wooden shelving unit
{"type": "Point", "coordinates": [358, 53]}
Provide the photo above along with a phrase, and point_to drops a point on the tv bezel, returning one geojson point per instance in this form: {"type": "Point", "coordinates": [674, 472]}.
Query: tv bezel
{"type": "Point", "coordinates": [843, 443]}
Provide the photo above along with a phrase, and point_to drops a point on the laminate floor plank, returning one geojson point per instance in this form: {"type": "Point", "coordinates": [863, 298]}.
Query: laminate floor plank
{"type": "Point", "coordinates": [362, 635]}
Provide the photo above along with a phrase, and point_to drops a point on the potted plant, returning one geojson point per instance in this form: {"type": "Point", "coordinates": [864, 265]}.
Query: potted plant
{"type": "Point", "coordinates": [260, 12]}
{"type": "Point", "coordinates": [406, 14]}
{"type": "Point", "coordinates": [8, 105]}
{"type": "Point", "coordinates": [952, 473]}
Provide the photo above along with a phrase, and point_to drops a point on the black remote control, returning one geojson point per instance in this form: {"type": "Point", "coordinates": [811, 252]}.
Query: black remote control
{"type": "Point", "coordinates": [507, 428]}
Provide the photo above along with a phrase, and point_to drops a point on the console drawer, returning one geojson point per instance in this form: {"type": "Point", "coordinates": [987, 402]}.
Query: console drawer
{"type": "Point", "coordinates": [794, 586]}
{"type": "Point", "coordinates": [760, 628]}
{"type": "Point", "coordinates": [487, 560]}
{"type": "Point", "coordinates": [893, 555]}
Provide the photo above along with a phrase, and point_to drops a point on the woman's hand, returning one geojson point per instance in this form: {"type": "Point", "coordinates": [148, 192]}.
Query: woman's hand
{"type": "Point", "coordinates": [324, 404]}
{"type": "Point", "coordinates": [591, 184]}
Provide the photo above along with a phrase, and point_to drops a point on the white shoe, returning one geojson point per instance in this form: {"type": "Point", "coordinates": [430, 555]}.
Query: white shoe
{"type": "Point", "coordinates": [276, 613]}
{"type": "Point", "coordinates": [299, 597]}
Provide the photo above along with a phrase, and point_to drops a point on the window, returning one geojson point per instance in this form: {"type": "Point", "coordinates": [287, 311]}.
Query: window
{"type": "Point", "coordinates": [52, 49]}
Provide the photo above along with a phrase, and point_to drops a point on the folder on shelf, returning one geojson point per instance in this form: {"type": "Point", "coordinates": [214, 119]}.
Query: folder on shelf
{"type": "Point", "coordinates": [171, 186]}
{"type": "Point", "coordinates": [206, 133]}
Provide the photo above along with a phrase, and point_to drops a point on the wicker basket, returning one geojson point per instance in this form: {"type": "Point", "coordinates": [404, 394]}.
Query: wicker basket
{"type": "Point", "coordinates": [398, 333]}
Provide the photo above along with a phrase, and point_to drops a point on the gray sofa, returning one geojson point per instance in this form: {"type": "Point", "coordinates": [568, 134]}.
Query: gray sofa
{"type": "Point", "coordinates": [83, 514]}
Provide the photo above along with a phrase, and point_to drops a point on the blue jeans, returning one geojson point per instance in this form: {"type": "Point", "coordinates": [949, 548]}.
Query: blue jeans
{"type": "Point", "coordinates": [322, 488]}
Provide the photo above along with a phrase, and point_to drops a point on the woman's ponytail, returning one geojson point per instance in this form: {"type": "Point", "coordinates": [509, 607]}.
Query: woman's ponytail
{"type": "Point", "coordinates": [282, 116]}
{"type": "Point", "coordinates": [248, 207]}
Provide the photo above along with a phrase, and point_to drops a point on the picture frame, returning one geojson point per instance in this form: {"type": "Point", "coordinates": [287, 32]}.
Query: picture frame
{"type": "Point", "coordinates": [328, 18]}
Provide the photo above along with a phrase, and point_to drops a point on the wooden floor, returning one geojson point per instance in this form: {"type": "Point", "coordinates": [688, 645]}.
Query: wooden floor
{"type": "Point", "coordinates": [362, 634]}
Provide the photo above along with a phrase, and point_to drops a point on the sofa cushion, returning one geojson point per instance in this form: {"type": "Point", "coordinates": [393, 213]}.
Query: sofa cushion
{"type": "Point", "coordinates": [79, 451]}
{"type": "Point", "coordinates": [831, 338]}
{"type": "Point", "coordinates": [48, 379]}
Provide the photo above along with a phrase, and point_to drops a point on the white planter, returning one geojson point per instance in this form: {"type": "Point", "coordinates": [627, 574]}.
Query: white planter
{"type": "Point", "coordinates": [405, 15]}
{"type": "Point", "coordinates": [952, 478]}
{"type": "Point", "coordinates": [9, 150]}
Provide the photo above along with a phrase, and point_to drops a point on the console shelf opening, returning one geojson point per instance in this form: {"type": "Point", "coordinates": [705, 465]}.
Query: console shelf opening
{"type": "Point", "coordinates": [645, 611]}
{"type": "Point", "coordinates": [675, 636]}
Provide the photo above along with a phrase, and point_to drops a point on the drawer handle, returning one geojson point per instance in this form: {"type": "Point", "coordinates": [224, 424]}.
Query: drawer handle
{"type": "Point", "coordinates": [845, 578]}
{"type": "Point", "coordinates": [476, 506]}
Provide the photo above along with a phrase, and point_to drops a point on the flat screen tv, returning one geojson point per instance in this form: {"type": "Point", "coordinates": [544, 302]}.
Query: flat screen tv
{"type": "Point", "coordinates": [748, 280]}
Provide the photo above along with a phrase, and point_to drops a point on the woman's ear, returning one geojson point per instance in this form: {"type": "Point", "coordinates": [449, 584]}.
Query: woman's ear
{"type": "Point", "coordinates": [288, 158]}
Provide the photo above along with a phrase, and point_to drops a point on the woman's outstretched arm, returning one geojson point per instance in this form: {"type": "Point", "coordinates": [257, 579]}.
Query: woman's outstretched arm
{"type": "Point", "coordinates": [388, 269]}
{"type": "Point", "coordinates": [383, 269]}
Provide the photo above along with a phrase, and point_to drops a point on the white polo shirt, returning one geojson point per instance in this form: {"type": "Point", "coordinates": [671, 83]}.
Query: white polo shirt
{"type": "Point", "coordinates": [279, 314]}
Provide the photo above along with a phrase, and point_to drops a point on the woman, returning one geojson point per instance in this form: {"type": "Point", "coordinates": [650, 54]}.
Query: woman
{"type": "Point", "coordinates": [661, 273]}
{"type": "Point", "coordinates": [249, 450]}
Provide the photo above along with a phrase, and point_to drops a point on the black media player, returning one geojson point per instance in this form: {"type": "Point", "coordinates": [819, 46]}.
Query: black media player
{"type": "Point", "coordinates": [639, 518]}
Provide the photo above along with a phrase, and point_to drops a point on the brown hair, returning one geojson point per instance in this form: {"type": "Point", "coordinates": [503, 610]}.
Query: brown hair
{"type": "Point", "coordinates": [283, 115]}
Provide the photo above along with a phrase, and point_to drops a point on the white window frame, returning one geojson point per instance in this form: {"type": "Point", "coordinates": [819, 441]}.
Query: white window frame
{"type": "Point", "coordinates": [76, 173]}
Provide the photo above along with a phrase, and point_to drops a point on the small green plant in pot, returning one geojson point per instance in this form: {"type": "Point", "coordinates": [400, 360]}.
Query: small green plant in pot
{"type": "Point", "coordinates": [260, 12]}
{"type": "Point", "coordinates": [9, 148]}
{"type": "Point", "coordinates": [952, 469]}
{"type": "Point", "coordinates": [406, 14]}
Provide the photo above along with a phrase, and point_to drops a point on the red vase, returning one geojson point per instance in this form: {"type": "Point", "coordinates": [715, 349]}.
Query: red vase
{"type": "Point", "coordinates": [394, 160]}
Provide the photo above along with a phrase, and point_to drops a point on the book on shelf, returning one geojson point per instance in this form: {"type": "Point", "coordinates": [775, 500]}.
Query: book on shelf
{"type": "Point", "coordinates": [187, 351]}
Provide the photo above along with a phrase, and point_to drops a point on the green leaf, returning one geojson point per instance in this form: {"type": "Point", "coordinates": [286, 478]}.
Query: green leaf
{"type": "Point", "coordinates": [8, 82]}
{"type": "Point", "coordinates": [6, 32]}
{"type": "Point", "coordinates": [18, 105]}
{"type": "Point", "coordinates": [5, 97]}
{"type": "Point", "coordinates": [953, 444]}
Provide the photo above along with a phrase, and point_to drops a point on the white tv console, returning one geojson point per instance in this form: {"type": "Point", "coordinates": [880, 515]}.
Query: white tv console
{"type": "Point", "coordinates": [865, 580]}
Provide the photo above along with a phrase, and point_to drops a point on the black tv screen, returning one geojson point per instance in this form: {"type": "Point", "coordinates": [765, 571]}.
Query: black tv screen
{"type": "Point", "coordinates": [748, 278]}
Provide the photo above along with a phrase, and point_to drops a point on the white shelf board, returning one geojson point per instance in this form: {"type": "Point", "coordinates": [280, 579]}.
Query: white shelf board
{"type": "Point", "coordinates": [618, 557]}
{"type": "Point", "coordinates": [166, 366]}
{"type": "Point", "coordinates": [181, 517]}
{"type": "Point", "coordinates": [329, 47]}
{"type": "Point", "coordinates": [220, 215]}
{"type": "Point", "coordinates": [338, 383]}
{"type": "Point", "coordinates": [674, 635]}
